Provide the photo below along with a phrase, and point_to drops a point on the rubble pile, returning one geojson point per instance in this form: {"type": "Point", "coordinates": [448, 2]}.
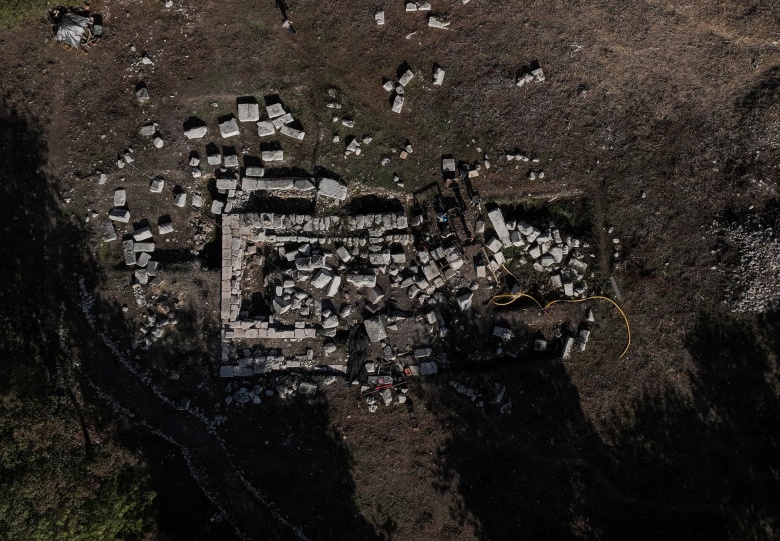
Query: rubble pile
{"type": "Point", "coordinates": [752, 281]}
{"type": "Point", "coordinates": [138, 246]}
{"type": "Point", "coordinates": [137, 252]}
{"type": "Point", "coordinates": [250, 362]}
{"type": "Point", "coordinates": [564, 258]}
{"type": "Point", "coordinates": [380, 388]}
{"type": "Point", "coordinates": [242, 395]}
{"type": "Point", "coordinates": [160, 317]}
{"type": "Point", "coordinates": [202, 231]}
{"type": "Point", "coordinates": [580, 339]}
{"type": "Point", "coordinates": [327, 272]}
{"type": "Point", "coordinates": [279, 119]}
{"type": "Point", "coordinates": [397, 89]}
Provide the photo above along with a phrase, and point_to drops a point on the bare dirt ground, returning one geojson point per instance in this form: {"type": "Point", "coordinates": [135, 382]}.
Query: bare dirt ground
{"type": "Point", "coordinates": [655, 120]}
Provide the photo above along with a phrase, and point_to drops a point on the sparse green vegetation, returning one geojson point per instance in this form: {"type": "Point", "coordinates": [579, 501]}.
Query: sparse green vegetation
{"type": "Point", "coordinates": [61, 486]}
{"type": "Point", "coordinates": [14, 13]}
{"type": "Point", "coordinates": [105, 257]}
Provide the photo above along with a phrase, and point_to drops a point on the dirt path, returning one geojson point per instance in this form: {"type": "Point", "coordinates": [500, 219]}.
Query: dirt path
{"type": "Point", "coordinates": [207, 458]}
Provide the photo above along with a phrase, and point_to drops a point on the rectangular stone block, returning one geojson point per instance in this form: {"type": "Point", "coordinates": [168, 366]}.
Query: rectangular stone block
{"type": "Point", "coordinates": [272, 155]}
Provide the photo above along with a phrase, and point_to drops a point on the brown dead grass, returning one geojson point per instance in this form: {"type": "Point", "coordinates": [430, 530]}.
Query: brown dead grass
{"type": "Point", "coordinates": [649, 97]}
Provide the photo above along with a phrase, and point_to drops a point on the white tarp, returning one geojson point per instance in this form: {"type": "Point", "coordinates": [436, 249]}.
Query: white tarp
{"type": "Point", "coordinates": [71, 28]}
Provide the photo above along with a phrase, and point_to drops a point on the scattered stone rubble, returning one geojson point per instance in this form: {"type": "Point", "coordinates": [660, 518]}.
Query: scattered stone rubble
{"type": "Point", "coordinates": [478, 397]}
{"type": "Point", "coordinates": [564, 258]}
{"type": "Point", "coordinates": [751, 284]}
{"type": "Point", "coordinates": [279, 119]}
{"type": "Point", "coordinates": [282, 386]}
{"type": "Point", "coordinates": [160, 317]}
{"type": "Point", "coordinates": [323, 266]}
{"type": "Point", "coordinates": [579, 339]}
{"type": "Point", "coordinates": [398, 89]}
{"type": "Point", "coordinates": [331, 272]}
{"type": "Point", "coordinates": [137, 247]}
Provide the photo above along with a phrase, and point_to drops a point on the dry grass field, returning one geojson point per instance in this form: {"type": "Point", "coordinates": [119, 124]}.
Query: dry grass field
{"type": "Point", "coordinates": [658, 124]}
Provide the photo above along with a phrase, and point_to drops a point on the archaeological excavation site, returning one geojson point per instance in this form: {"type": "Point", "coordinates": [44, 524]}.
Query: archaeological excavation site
{"type": "Point", "coordinates": [468, 270]}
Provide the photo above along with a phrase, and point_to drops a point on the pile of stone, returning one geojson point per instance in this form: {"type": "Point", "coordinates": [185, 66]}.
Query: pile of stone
{"type": "Point", "coordinates": [138, 249]}
{"type": "Point", "coordinates": [751, 283]}
{"type": "Point", "coordinates": [580, 339]}
{"type": "Point", "coordinates": [468, 392]}
{"type": "Point", "coordinates": [397, 89]}
{"type": "Point", "coordinates": [202, 231]}
{"type": "Point", "coordinates": [354, 145]}
{"type": "Point", "coordinates": [250, 362]}
{"type": "Point", "coordinates": [242, 395]}
{"type": "Point", "coordinates": [283, 386]}
{"type": "Point", "coordinates": [418, 6]}
{"type": "Point", "coordinates": [138, 253]}
{"type": "Point", "coordinates": [279, 119]}
{"type": "Point", "coordinates": [150, 130]}
{"type": "Point", "coordinates": [246, 362]}
{"type": "Point", "coordinates": [124, 157]}
{"type": "Point", "coordinates": [139, 295]}
{"type": "Point", "coordinates": [434, 267]}
{"type": "Point", "coordinates": [384, 394]}
{"type": "Point", "coordinates": [118, 213]}
{"type": "Point", "coordinates": [564, 258]}
{"type": "Point", "coordinates": [152, 329]}
{"type": "Point", "coordinates": [226, 183]}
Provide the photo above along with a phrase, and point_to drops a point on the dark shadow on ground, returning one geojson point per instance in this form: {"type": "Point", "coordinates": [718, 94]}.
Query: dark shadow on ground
{"type": "Point", "coordinates": [64, 371]}
{"type": "Point", "coordinates": [717, 448]}
{"type": "Point", "coordinates": [52, 440]}
{"type": "Point", "coordinates": [290, 448]}
{"type": "Point", "coordinates": [374, 204]}
{"type": "Point", "coordinates": [265, 202]}
{"type": "Point", "coordinates": [666, 467]}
